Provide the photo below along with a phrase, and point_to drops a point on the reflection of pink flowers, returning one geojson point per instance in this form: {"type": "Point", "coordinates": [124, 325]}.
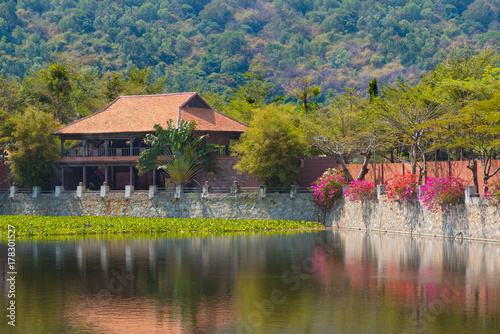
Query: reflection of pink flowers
{"type": "Point", "coordinates": [328, 187]}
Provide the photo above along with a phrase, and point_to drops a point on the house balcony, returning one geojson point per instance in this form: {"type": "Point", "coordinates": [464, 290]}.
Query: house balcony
{"type": "Point", "coordinates": [121, 152]}
{"type": "Point", "coordinates": [103, 152]}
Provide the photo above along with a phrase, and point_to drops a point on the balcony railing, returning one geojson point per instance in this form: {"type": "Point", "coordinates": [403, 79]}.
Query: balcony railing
{"type": "Point", "coordinates": [121, 152]}
{"type": "Point", "coordinates": [102, 152]}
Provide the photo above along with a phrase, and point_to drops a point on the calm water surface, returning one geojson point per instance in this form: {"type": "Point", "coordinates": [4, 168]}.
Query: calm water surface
{"type": "Point", "coordinates": [307, 282]}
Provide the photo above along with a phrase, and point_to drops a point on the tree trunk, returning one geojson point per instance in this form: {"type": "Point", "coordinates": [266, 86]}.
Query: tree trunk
{"type": "Point", "coordinates": [486, 173]}
{"type": "Point", "coordinates": [423, 170]}
{"type": "Point", "coordinates": [341, 160]}
{"type": "Point", "coordinates": [364, 168]}
{"type": "Point", "coordinates": [413, 159]}
{"type": "Point", "coordinates": [473, 169]}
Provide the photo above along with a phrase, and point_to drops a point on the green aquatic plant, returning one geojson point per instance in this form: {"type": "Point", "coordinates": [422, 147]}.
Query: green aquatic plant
{"type": "Point", "coordinates": [89, 225]}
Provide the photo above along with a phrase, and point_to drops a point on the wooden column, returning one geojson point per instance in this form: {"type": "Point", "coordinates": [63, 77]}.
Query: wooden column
{"type": "Point", "coordinates": [62, 177]}
{"type": "Point", "coordinates": [84, 145]}
{"type": "Point", "coordinates": [131, 145]}
{"type": "Point", "coordinates": [106, 148]}
{"type": "Point", "coordinates": [106, 174]}
{"type": "Point", "coordinates": [62, 148]}
{"type": "Point", "coordinates": [84, 176]}
{"type": "Point", "coordinates": [154, 177]}
{"type": "Point", "coordinates": [131, 176]}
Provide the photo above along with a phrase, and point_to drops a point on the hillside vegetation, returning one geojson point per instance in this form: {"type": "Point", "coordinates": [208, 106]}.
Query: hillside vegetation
{"type": "Point", "coordinates": [208, 44]}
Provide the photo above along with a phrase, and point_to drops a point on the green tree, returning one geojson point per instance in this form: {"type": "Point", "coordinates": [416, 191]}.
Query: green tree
{"type": "Point", "coordinates": [465, 76]}
{"type": "Point", "coordinates": [177, 151]}
{"type": "Point", "coordinates": [407, 114]}
{"type": "Point", "coordinates": [372, 89]}
{"type": "Point", "coordinates": [33, 147]}
{"type": "Point", "coordinates": [50, 90]}
{"type": "Point", "coordinates": [270, 148]}
{"type": "Point", "coordinates": [342, 130]}
{"type": "Point", "coordinates": [303, 90]}
{"type": "Point", "coordinates": [254, 94]}
{"type": "Point", "coordinates": [476, 129]}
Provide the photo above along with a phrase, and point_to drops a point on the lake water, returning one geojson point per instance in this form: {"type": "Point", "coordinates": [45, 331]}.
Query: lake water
{"type": "Point", "coordinates": [300, 282]}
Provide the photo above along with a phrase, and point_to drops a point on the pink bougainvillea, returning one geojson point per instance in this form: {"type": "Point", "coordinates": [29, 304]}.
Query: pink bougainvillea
{"type": "Point", "coordinates": [402, 187]}
{"type": "Point", "coordinates": [361, 191]}
{"type": "Point", "coordinates": [493, 193]}
{"type": "Point", "coordinates": [441, 191]}
{"type": "Point", "coordinates": [328, 187]}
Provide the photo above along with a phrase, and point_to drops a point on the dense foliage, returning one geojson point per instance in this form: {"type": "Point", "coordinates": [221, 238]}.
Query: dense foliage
{"type": "Point", "coordinates": [58, 225]}
{"type": "Point", "coordinates": [270, 148]}
{"type": "Point", "coordinates": [210, 43]}
{"type": "Point", "coordinates": [177, 151]}
{"type": "Point", "coordinates": [441, 191]}
{"type": "Point", "coordinates": [328, 187]}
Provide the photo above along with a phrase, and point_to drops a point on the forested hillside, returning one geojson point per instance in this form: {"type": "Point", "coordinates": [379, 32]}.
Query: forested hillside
{"type": "Point", "coordinates": [209, 44]}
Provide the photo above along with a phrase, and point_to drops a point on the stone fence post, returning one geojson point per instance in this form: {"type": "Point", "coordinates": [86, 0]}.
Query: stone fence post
{"type": "Point", "coordinates": [344, 190]}
{"type": "Point", "coordinates": [470, 191]}
{"type": "Point", "coordinates": [153, 190]}
{"type": "Point", "coordinates": [104, 190]}
{"type": "Point", "coordinates": [293, 191]}
{"type": "Point", "coordinates": [205, 190]}
{"type": "Point", "coordinates": [80, 190]}
{"type": "Point", "coordinates": [58, 191]}
{"type": "Point", "coordinates": [129, 190]}
{"type": "Point", "coordinates": [381, 190]}
{"type": "Point", "coordinates": [178, 191]}
{"type": "Point", "coordinates": [13, 191]}
{"type": "Point", "coordinates": [262, 191]}
{"type": "Point", "coordinates": [36, 192]}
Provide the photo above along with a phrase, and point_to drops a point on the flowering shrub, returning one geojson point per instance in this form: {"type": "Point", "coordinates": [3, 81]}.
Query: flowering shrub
{"type": "Point", "coordinates": [402, 187]}
{"type": "Point", "coordinates": [361, 191]}
{"type": "Point", "coordinates": [328, 187]}
{"type": "Point", "coordinates": [493, 193]}
{"type": "Point", "coordinates": [441, 191]}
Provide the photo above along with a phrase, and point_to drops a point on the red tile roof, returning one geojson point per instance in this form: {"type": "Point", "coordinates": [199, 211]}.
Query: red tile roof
{"type": "Point", "coordinates": [129, 114]}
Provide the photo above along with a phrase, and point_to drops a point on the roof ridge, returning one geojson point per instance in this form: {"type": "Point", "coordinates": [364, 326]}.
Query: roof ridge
{"type": "Point", "coordinates": [158, 95]}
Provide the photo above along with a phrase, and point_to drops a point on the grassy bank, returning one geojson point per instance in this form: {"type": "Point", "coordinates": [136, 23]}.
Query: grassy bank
{"type": "Point", "coordinates": [57, 225]}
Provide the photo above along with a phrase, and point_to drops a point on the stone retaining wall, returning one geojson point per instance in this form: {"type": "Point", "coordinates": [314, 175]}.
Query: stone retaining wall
{"type": "Point", "coordinates": [474, 220]}
{"type": "Point", "coordinates": [250, 206]}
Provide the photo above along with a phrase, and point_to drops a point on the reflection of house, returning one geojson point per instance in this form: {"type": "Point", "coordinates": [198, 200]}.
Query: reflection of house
{"type": "Point", "coordinates": [111, 140]}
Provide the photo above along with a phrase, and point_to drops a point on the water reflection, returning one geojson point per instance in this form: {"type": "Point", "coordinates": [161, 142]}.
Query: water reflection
{"type": "Point", "coordinates": [318, 282]}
